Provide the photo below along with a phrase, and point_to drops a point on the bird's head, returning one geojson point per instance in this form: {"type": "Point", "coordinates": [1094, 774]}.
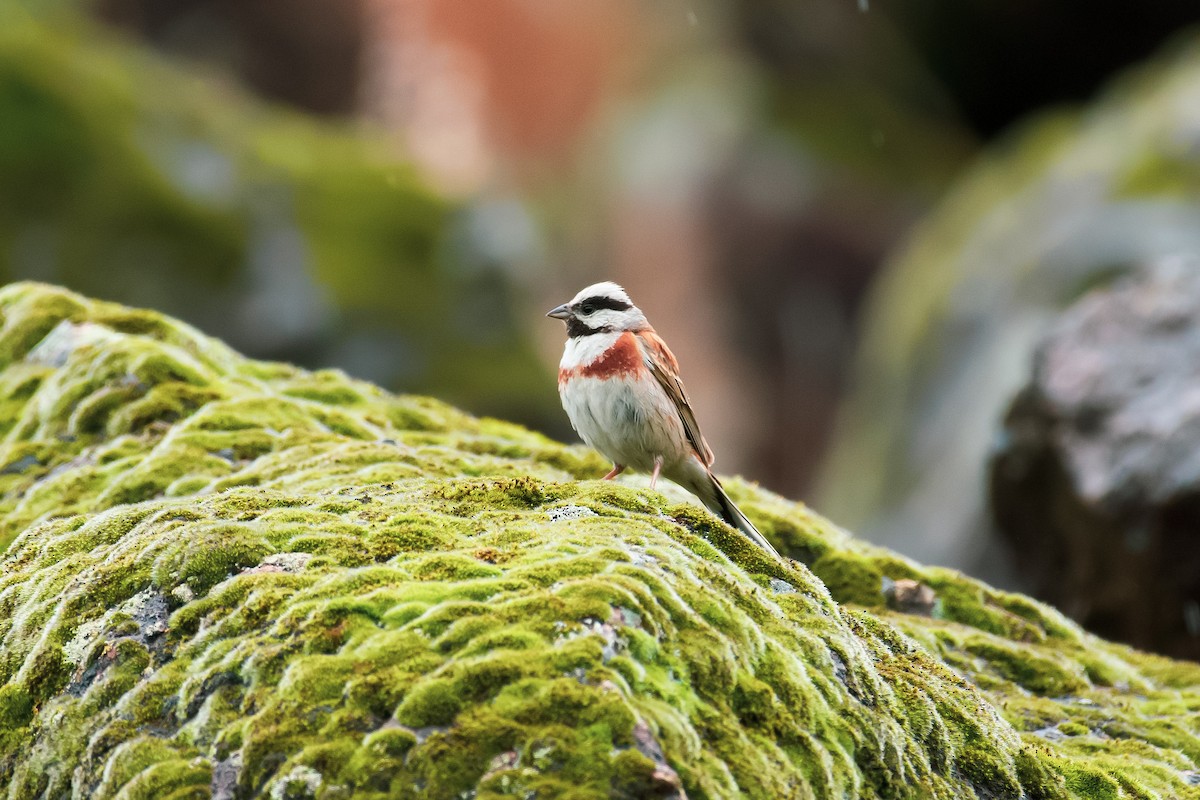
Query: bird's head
{"type": "Point", "coordinates": [600, 308]}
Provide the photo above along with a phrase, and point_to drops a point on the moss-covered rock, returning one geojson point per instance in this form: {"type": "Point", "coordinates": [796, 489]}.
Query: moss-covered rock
{"type": "Point", "coordinates": [230, 578]}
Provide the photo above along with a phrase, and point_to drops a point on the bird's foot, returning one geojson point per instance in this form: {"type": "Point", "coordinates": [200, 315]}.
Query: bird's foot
{"type": "Point", "coordinates": [614, 472]}
{"type": "Point", "coordinates": [657, 468]}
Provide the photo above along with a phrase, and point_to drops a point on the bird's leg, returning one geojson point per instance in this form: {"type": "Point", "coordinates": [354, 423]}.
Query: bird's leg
{"type": "Point", "coordinates": [614, 472]}
{"type": "Point", "coordinates": [657, 467]}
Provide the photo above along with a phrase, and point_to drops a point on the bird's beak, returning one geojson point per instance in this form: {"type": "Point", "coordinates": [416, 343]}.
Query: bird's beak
{"type": "Point", "coordinates": [559, 312]}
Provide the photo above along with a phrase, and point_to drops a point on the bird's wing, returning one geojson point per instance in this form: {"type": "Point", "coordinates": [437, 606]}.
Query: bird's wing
{"type": "Point", "coordinates": [665, 369]}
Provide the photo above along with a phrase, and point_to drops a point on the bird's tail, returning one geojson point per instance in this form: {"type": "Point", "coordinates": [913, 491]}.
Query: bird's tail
{"type": "Point", "coordinates": [725, 508]}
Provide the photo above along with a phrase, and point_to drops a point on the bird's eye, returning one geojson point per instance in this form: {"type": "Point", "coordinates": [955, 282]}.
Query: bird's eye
{"type": "Point", "coordinates": [587, 308]}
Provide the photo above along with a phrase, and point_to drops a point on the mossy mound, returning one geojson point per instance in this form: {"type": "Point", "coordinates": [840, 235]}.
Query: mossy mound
{"type": "Point", "coordinates": [231, 578]}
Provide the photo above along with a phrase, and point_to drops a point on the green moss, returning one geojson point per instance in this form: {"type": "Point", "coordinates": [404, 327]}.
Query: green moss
{"type": "Point", "coordinates": [203, 555]}
{"type": "Point", "coordinates": [850, 578]}
{"type": "Point", "coordinates": [1037, 673]}
{"type": "Point", "coordinates": [393, 742]}
{"type": "Point", "coordinates": [133, 761]}
{"type": "Point", "coordinates": [1092, 784]}
{"type": "Point", "coordinates": [451, 567]}
{"type": "Point", "coordinates": [431, 702]}
{"type": "Point", "coordinates": [16, 706]}
{"type": "Point", "coordinates": [177, 779]}
{"type": "Point", "coordinates": [28, 322]}
{"type": "Point", "coordinates": [633, 775]}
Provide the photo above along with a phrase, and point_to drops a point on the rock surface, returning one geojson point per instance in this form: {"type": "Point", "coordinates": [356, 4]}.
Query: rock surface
{"type": "Point", "coordinates": [227, 578]}
{"type": "Point", "coordinates": [1096, 480]}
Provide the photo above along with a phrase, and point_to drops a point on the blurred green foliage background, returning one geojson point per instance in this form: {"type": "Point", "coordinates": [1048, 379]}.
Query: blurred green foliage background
{"type": "Point", "coordinates": [129, 177]}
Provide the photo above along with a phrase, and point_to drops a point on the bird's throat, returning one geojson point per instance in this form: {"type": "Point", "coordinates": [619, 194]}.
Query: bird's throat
{"type": "Point", "coordinates": [621, 358]}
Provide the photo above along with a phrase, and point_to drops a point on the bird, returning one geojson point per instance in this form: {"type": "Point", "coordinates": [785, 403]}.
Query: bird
{"type": "Point", "coordinates": [620, 386]}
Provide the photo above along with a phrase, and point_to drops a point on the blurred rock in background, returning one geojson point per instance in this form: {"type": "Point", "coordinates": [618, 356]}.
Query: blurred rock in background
{"type": "Point", "coordinates": [1065, 204]}
{"type": "Point", "coordinates": [1095, 481]}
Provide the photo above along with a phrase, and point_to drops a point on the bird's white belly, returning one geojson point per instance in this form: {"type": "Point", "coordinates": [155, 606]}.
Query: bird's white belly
{"type": "Point", "coordinates": [628, 419]}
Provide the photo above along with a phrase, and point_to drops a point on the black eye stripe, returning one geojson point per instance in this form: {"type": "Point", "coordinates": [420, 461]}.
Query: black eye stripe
{"type": "Point", "coordinates": [604, 301]}
{"type": "Point", "coordinates": [575, 329]}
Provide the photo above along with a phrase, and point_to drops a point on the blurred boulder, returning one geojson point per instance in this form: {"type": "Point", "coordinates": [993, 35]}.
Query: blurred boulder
{"type": "Point", "coordinates": [1064, 205]}
{"type": "Point", "coordinates": [1096, 480]}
